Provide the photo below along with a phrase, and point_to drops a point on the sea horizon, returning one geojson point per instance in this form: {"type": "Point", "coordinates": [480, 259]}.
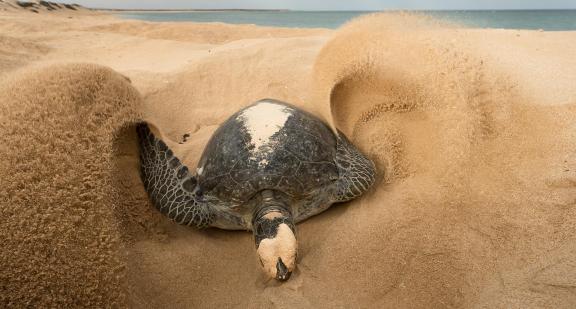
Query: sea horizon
{"type": "Point", "coordinates": [529, 19]}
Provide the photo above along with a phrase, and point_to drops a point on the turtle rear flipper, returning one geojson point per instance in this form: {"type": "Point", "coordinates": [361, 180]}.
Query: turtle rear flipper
{"type": "Point", "coordinates": [171, 187]}
{"type": "Point", "coordinates": [356, 172]}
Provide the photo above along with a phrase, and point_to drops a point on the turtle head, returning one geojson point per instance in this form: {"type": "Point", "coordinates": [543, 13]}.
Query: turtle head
{"type": "Point", "coordinates": [276, 244]}
{"type": "Point", "coordinates": [278, 253]}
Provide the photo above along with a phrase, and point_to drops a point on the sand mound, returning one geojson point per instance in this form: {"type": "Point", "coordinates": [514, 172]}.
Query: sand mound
{"type": "Point", "coordinates": [479, 190]}
{"type": "Point", "coordinates": [61, 242]}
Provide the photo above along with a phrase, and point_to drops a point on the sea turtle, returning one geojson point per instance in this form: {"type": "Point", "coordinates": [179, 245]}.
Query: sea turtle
{"type": "Point", "coordinates": [268, 167]}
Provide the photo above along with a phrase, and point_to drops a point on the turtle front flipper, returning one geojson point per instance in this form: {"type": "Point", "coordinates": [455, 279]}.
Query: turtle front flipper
{"type": "Point", "coordinates": [171, 187]}
{"type": "Point", "coordinates": [356, 172]}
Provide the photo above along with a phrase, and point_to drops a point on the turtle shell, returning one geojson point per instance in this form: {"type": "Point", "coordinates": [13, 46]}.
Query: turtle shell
{"type": "Point", "coordinates": [268, 145]}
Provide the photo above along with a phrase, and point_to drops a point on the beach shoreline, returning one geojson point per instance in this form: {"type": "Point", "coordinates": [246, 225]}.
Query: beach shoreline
{"type": "Point", "coordinates": [548, 20]}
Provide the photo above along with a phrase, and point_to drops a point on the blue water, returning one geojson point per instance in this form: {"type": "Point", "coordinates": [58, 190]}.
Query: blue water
{"type": "Point", "coordinates": [552, 20]}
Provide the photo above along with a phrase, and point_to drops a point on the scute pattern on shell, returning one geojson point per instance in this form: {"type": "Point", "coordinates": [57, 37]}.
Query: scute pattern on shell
{"type": "Point", "coordinates": [170, 185]}
{"type": "Point", "coordinates": [300, 162]}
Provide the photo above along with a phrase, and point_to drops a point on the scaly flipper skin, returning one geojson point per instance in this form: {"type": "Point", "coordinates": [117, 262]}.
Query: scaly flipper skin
{"type": "Point", "coordinates": [356, 172]}
{"type": "Point", "coordinates": [171, 187]}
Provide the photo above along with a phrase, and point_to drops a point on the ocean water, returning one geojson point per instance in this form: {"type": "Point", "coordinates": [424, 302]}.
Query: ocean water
{"type": "Point", "coordinates": [551, 20]}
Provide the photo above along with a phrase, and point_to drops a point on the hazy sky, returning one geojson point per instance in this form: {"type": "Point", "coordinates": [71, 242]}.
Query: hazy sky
{"type": "Point", "coordinates": [331, 4]}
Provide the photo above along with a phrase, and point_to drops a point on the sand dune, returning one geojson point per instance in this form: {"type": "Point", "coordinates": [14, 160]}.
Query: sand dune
{"type": "Point", "coordinates": [474, 141]}
{"type": "Point", "coordinates": [39, 6]}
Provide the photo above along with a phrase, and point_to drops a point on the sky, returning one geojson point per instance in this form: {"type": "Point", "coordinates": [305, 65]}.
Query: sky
{"type": "Point", "coordinates": [332, 4]}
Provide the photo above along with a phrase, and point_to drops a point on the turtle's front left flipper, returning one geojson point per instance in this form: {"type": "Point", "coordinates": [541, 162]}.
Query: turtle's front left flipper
{"type": "Point", "coordinates": [171, 187]}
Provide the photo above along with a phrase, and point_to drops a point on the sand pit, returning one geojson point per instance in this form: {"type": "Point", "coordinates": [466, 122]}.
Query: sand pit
{"type": "Point", "coordinates": [475, 205]}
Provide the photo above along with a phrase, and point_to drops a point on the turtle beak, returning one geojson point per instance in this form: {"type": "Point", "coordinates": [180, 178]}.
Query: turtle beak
{"type": "Point", "coordinates": [282, 273]}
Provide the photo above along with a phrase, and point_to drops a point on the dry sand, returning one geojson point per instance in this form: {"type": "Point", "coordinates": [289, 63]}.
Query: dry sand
{"type": "Point", "coordinates": [473, 132]}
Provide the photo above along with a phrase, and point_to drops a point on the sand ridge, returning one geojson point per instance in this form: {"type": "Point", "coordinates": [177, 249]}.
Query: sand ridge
{"type": "Point", "coordinates": [474, 206]}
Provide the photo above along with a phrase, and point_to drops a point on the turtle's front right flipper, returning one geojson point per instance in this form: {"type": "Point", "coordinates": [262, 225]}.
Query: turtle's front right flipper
{"type": "Point", "coordinates": [171, 187]}
{"type": "Point", "coordinates": [357, 172]}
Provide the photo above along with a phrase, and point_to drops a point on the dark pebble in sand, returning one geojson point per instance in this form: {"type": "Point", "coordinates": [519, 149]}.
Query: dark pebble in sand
{"type": "Point", "coordinates": [185, 138]}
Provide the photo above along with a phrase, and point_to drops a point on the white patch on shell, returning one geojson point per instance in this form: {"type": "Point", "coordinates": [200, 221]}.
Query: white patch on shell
{"type": "Point", "coordinates": [282, 246]}
{"type": "Point", "coordinates": [199, 170]}
{"type": "Point", "coordinates": [262, 121]}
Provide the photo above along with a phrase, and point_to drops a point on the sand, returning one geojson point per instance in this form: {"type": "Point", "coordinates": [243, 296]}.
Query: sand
{"type": "Point", "coordinates": [473, 133]}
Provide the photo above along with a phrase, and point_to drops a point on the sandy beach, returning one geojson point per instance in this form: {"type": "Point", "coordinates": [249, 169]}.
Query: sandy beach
{"type": "Point", "coordinates": [473, 132]}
